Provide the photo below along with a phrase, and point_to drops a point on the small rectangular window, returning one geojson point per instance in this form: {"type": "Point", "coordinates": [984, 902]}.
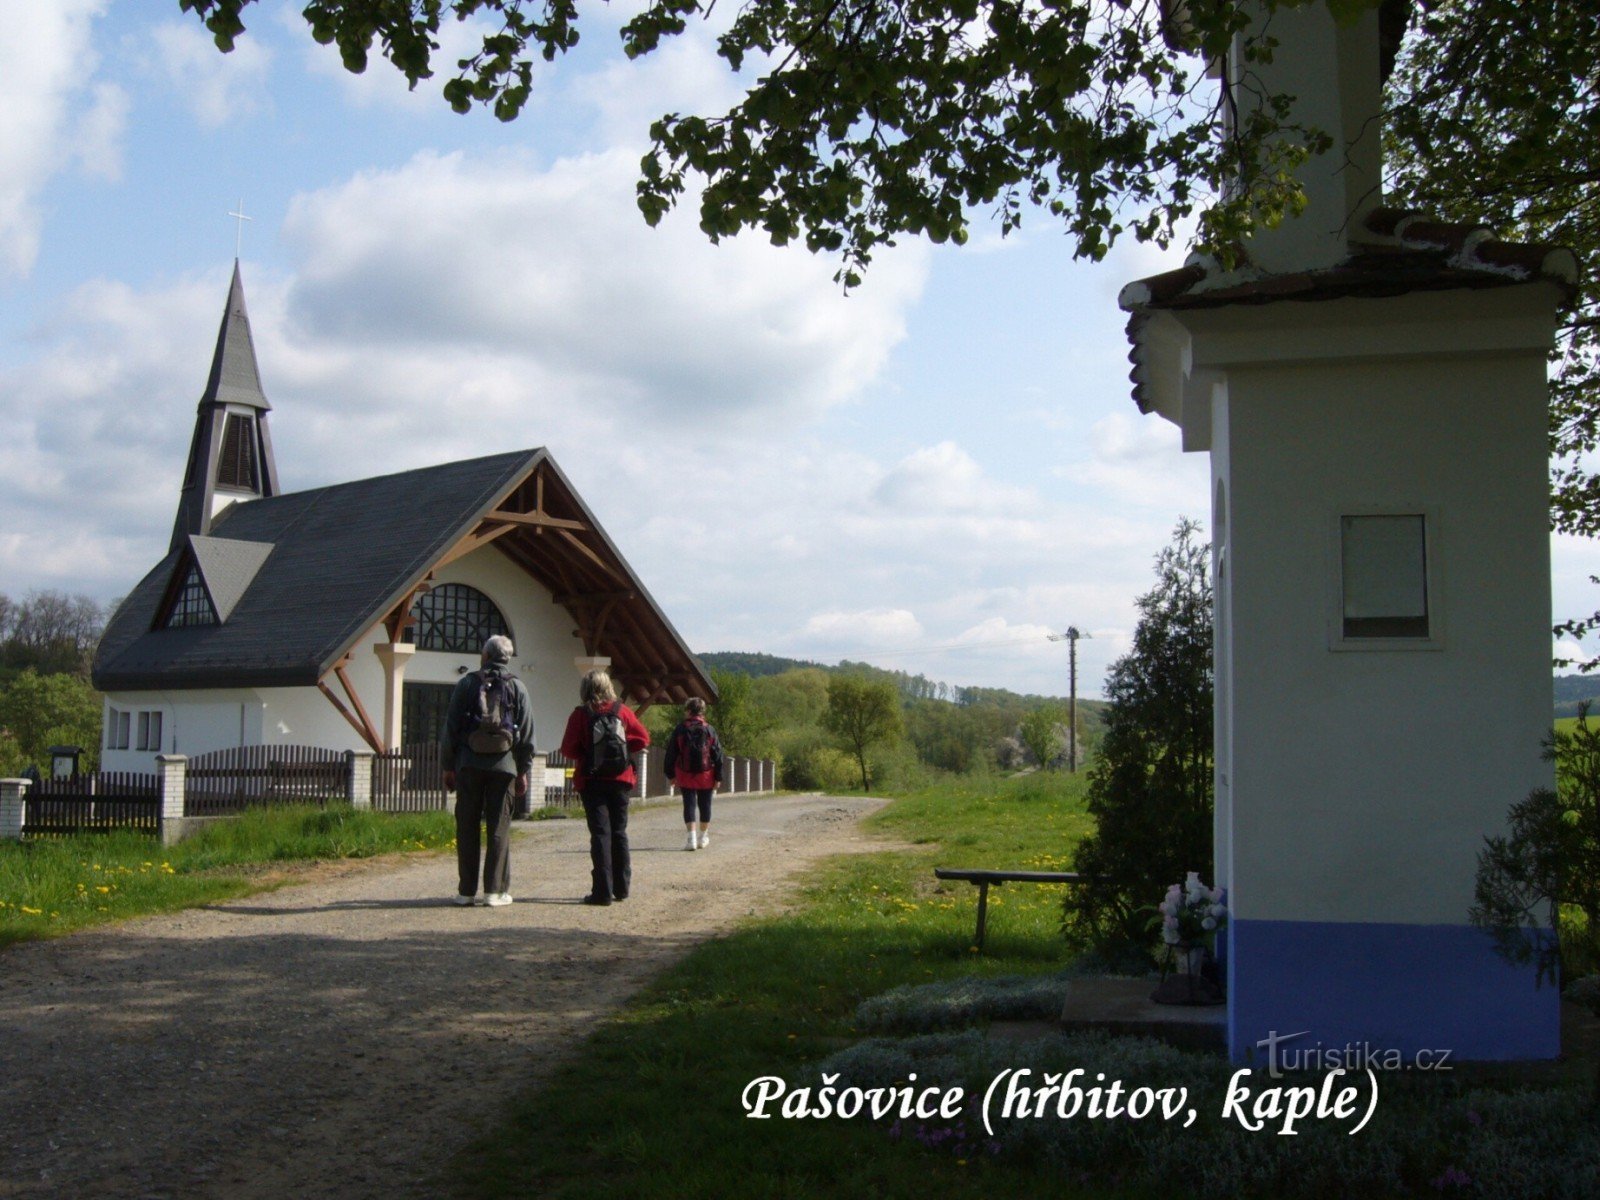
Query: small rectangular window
{"type": "Point", "coordinates": [116, 730]}
{"type": "Point", "coordinates": [1384, 576]}
{"type": "Point", "coordinates": [149, 731]}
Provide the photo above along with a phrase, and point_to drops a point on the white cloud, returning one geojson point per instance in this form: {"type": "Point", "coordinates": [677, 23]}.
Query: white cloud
{"type": "Point", "coordinates": [216, 88]}
{"type": "Point", "coordinates": [869, 629]}
{"type": "Point", "coordinates": [451, 256]}
{"type": "Point", "coordinates": [46, 64]}
{"type": "Point", "coordinates": [944, 479]}
{"type": "Point", "coordinates": [1137, 459]}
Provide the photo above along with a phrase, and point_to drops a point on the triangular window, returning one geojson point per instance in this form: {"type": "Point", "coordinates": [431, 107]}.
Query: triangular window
{"type": "Point", "coordinates": [236, 466]}
{"type": "Point", "coordinates": [191, 605]}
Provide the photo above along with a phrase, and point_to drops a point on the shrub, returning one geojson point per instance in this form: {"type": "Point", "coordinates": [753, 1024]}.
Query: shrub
{"type": "Point", "coordinates": [1150, 786]}
{"type": "Point", "coordinates": [1545, 873]}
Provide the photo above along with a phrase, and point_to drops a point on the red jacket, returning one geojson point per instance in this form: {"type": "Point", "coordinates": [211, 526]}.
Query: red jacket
{"type": "Point", "coordinates": [575, 743]}
{"type": "Point", "coordinates": [705, 780]}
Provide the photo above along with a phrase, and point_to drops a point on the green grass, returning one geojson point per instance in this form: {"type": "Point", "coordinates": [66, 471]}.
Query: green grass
{"type": "Point", "coordinates": [52, 886]}
{"type": "Point", "coordinates": [651, 1107]}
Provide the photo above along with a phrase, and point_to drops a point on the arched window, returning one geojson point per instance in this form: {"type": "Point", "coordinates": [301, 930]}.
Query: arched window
{"type": "Point", "coordinates": [455, 618]}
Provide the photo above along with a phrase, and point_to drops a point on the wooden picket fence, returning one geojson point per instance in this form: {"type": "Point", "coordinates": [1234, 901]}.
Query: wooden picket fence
{"type": "Point", "coordinates": [410, 779]}
{"type": "Point", "coordinates": [229, 781]}
{"type": "Point", "coordinates": [93, 804]}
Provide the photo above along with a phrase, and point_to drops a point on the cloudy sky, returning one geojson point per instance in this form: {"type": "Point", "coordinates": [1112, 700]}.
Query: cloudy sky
{"type": "Point", "coordinates": [933, 473]}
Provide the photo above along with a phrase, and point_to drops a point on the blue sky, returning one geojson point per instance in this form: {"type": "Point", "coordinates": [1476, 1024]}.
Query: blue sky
{"type": "Point", "coordinates": [932, 473]}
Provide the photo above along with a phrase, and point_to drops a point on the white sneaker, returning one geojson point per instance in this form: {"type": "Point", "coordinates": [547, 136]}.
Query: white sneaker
{"type": "Point", "coordinates": [705, 839]}
{"type": "Point", "coordinates": [462, 901]}
{"type": "Point", "coordinates": [497, 899]}
{"type": "Point", "coordinates": [688, 842]}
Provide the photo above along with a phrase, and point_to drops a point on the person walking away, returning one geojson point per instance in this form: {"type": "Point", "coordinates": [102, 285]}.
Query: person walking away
{"type": "Point", "coordinates": [694, 764]}
{"type": "Point", "coordinates": [487, 749]}
{"type": "Point", "coordinates": [602, 736]}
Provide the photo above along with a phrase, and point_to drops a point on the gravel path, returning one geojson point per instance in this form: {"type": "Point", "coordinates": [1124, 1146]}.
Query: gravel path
{"type": "Point", "coordinates": [343, 1036]}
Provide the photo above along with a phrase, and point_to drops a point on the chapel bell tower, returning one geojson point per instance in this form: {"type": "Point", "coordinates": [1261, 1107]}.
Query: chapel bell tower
{"type": "Point", "coordinates": [230, 455]}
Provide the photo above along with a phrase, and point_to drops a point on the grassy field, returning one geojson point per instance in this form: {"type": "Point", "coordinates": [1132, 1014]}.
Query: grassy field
{"type": "Point", "coordinates": [651, 1107]}
{"type": "Point", "coordinates": [52, 886]}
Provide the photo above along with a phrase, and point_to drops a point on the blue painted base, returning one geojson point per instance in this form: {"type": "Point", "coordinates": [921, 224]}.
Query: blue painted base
{"type": "Point", "coordinates": [1401, 988]}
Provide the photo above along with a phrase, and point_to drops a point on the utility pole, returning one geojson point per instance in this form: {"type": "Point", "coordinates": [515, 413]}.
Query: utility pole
{"type": "Point", "coordinates": [1071, 637]}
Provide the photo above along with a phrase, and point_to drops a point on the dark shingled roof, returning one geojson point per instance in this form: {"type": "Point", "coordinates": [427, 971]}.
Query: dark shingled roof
{"type": "Point", "coordinates": [341, 557]}
{"type": "Point", "coordinates": [1406, 253]}
{"type": "Point", "coordinates": [309, 575]}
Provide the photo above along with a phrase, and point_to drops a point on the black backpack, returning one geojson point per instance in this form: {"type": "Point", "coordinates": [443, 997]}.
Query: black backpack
{"type": "Point", "coordinates": [608, 742]}
{"type": "Point", "coordinates": [492, 725]}
{"type": "Point", "coordinates": [695, 747]}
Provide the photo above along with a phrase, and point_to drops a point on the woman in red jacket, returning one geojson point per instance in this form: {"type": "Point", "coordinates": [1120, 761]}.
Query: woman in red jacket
{"type": "Point", "coordinates": [694, 763]}
{"type": "Point", "coordinates": [601, 738]}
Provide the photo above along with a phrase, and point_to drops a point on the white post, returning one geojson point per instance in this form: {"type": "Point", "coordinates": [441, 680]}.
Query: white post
{"type": "Point", "coordinates": [172, 769]}
{"type": "Point", "coordinates": [536, 771]}
{"type": "Point", "coordinates": [12, 792]}
{"type": "Point", "coordinates": [359, 785]}
{"type": "Point", "coordinates": [394, 658]}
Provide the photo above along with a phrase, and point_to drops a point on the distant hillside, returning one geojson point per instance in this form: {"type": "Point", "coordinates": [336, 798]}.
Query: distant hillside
{"type": "Point", "coordinates": [912, 687]}
{"type": "Point", "coordinates": [1571, 689]}
{"type": "Point", "coordinates": [754, 665]}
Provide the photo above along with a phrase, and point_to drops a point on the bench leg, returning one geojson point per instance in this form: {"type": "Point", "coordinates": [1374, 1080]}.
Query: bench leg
{"type": "Point", "coordinates": [983, 911]}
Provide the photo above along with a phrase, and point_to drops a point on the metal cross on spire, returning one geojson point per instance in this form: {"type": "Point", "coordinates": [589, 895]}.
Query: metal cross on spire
{"type": "Point", "coordinates": [238, 240]}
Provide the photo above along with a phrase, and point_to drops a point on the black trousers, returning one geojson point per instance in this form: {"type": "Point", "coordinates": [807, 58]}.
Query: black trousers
{"type": "Point", "coordinates": [605, 805]}
{"type": "Point", "coordinates": [483, 798]}
{"type": "Point", "coordinates": [694, 798]}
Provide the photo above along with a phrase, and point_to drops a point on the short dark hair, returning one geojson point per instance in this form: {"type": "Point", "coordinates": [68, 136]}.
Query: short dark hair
{"type": "Point", "coordinates": [694, 706]}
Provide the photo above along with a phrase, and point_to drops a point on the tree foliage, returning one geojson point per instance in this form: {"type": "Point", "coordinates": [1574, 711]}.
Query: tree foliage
{"type": "Point", "coordinates": [1543, 876]}
{"type": "Point", "coordinates": [862, 714]}
{"type": "Point", "coordinates": [1494, 116]}
{"type": "Point", "coordinates": [868, 119]}
{"type": "Point", "coordinates": [40, 711]}
{"type": "Point", "coordinates": [1150, 789]}
{"type": "Point", "coordinates": [1044, 732]}
{"type": "Point", "coordinates": [740, 724]}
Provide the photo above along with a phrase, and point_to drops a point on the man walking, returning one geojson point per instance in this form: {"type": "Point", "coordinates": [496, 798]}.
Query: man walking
{"type": "Point", "coordinates": [487, 750]}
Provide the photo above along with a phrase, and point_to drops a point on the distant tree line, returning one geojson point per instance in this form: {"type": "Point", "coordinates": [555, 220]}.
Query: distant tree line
{"type": "Point", "coordinates": [50, 632]}
{"type": "Point", "coordinates": [831, 726]}
{"type": "Point", "coordinates": [47, 643]}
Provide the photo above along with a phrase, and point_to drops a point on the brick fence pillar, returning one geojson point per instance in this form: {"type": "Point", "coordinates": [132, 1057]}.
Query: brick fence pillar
{"type": "Point", "coordinates": [358, 783]}
{"type": "Point", "coordinates": [11, 793]}
{"type": "Point", "coordinates": [172, 770]}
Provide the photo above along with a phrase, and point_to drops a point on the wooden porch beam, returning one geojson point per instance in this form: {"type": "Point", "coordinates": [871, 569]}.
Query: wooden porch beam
{"type": "Point", "coordinates": [470, 543]}
{"type": "Point", "coordinates": [568, 535]}
{"type": "Point", "coordinates": [366, 734]}
{"type": "Point", "coordinates": [538, 519]}
{"type": "Point", "coordinates": [374, 739]}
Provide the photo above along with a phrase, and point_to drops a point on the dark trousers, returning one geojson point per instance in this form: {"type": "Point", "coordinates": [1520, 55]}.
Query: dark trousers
{"type": "Point", "coordinates": [697, 797]}
{"type": "Point", "coordinates": [483, 797]}
{"type": "Point", "coordinates": [606, 807]}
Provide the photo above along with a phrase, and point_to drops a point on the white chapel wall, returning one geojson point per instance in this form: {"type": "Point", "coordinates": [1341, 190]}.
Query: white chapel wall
{"type": "Point", "coordinates": [1358, 817]}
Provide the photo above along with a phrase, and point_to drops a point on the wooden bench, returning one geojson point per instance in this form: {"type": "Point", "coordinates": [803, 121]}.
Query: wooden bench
{"type": "Point", "coordinates": [983, 880]}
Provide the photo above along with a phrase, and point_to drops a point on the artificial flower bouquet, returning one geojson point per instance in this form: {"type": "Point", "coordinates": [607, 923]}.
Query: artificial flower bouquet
{"type": "Point", "coordinates": [1191, 912]}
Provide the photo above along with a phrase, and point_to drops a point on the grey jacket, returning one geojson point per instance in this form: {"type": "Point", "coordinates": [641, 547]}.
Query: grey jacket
{"type": "Point", "coordinates": [463, 706]}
